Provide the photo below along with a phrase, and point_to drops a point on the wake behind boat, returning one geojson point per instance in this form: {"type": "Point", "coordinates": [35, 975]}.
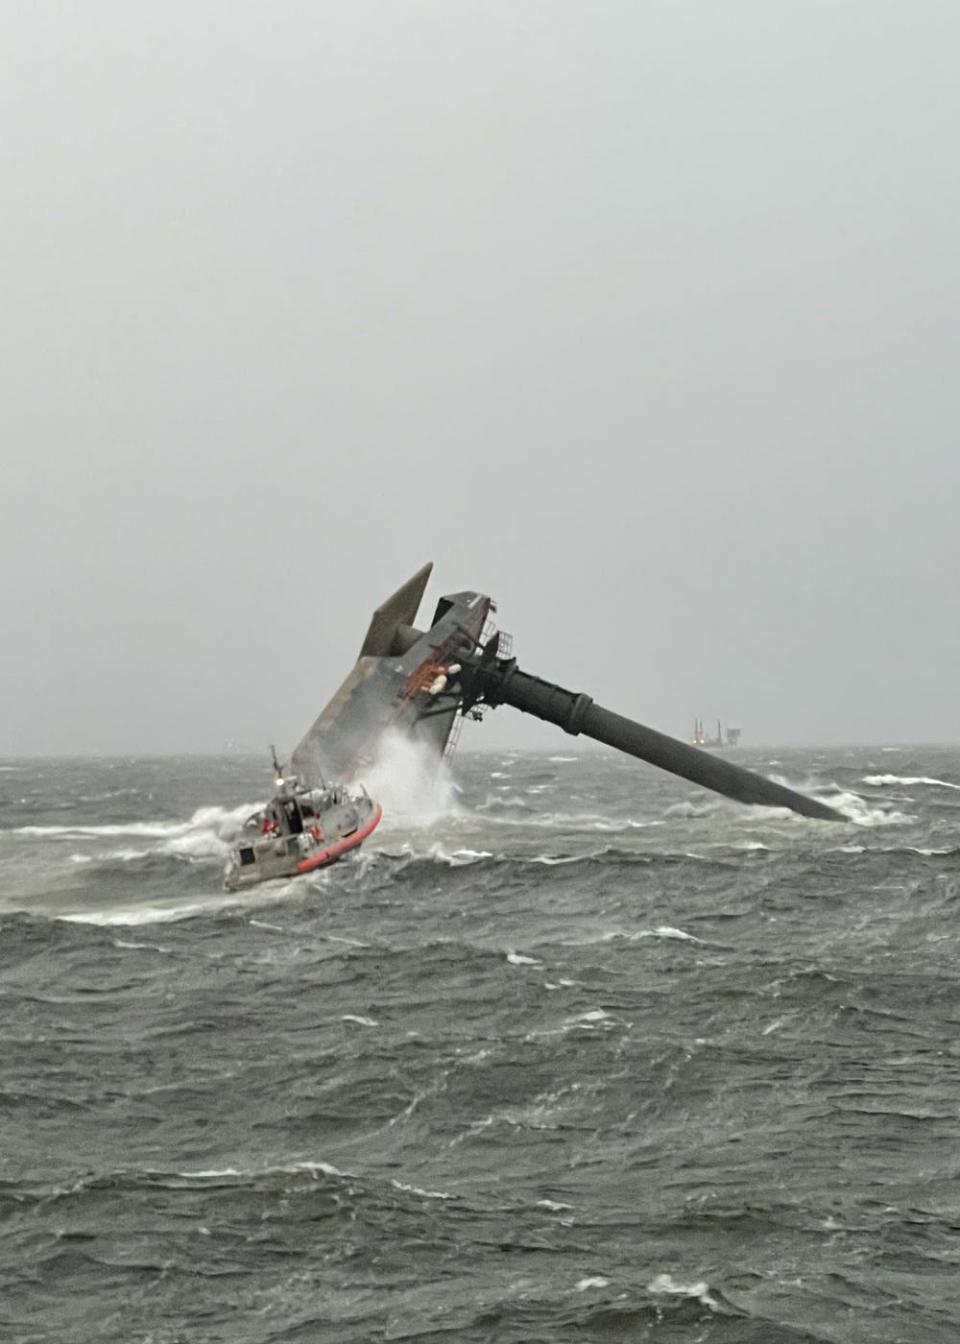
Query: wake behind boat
{"type": "Point", "coordinates": [299, 830]}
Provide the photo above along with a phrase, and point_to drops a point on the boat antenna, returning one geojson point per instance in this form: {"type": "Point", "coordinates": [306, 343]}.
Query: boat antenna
{"type": "Point", "coordinates": [277, 767]}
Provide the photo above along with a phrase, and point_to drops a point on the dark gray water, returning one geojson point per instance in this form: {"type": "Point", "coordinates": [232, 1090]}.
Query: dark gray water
{"type": "Point", "coordinates": [578, 1053]}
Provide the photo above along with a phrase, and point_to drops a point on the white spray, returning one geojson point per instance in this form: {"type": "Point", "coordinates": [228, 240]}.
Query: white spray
{"type": "Point", "coordinates": [410, 784]}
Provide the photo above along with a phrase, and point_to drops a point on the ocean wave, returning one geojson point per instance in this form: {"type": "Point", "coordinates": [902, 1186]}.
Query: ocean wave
{"type": "Point", "coordinates": [845, 801]}
{"type": "Point", "coordinates": [203, 840]}
{"type": "Point", "coordinates": [229, 1176]}
{"type": "Point", "coordinates": [423, 1194]}
{"type": "Point", "coordinates": [126, 1178]}
{"type": "Point", "coordinates": [146, 913]}
{"type": "Point", "coordinates": [499, 811]}
{"type": "Point", "coordinates": [112, 856]}
{"type": "Point", "coordinates": [407, 865]}
{"type": "Point", "coordinates": [739, 812]}
{"type": "Point", "coordinates": [882, 852]}
{"type": "Point", "coordinates": [222, 822]}
{"type": "Point", "coordinates": [146, 895]}
{"type": "Point", "coordinates": [882, 781]}
{"type": "Point", "coordinates": [667, 1285]}
{"type": "Point", "coordinates": [665, 931]}
{"type": "Point", "coordinates": [662, 932]}
{"type": "Point", "coordinates": [861, 813]}
{"type": "Point", "coordinates": [436, 853]}
{"type": "Point", "coordinates": [129, 946]}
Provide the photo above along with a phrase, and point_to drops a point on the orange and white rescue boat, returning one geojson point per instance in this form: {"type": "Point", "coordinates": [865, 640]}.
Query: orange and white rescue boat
{"type": "Point", "coordinates": [300, 830]}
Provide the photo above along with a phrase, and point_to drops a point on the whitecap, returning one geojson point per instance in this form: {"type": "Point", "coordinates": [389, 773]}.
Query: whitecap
{"type": "Point", "coordinates": [316, 1169]}
{"type": "Point", "coordinates": [879, 781]}
{"type": "Point", "coordinates": [594, 1281]}
{"type": "Point", "coordinates": [424, 1194]}
{"type": "Point", "coordinates": [666, 1284]}
{"type": "Point", "coordinates": [457, 858]}
{"type": "Point", "coordinates": [220, 821]}
{"type": "Point", "coordinates": [665, 931]}
{"type": "Point", "coordinates": [146, 914]}
{"type": "Point", "coordinates": [361, 1021]}
{"type": "Point", "coordinates": [200, 845]}
{"type": "Point", "coordinates": [857, 810]}
{"type": "Point", "coordinates": [566, 821]}
{"type": "Point", "coordinates": [212, 1174]}
{"type": "Point", "coordinates": [518, 959]}
{"type": "Point", "coordinates": [688, 810]}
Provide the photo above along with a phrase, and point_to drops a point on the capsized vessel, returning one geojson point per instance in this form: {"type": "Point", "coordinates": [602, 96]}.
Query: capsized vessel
{"type": "Point", "coordinates": [423, 683]}
{"type": "Point", "coordinates": [300, 829]}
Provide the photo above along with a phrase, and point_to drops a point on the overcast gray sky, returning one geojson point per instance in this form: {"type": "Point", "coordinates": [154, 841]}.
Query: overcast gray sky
{"type": "Point", "coordinates": [639, 316]}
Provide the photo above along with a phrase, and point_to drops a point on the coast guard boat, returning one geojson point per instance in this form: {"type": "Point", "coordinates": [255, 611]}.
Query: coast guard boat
{"type": "Point", "coordinates": [300, 829]}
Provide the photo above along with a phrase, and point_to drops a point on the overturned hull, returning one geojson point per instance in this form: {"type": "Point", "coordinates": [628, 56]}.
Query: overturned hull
{"type": "Point", "coordinates": [395, 683]}
{"type": "Point", "coordinates": [420, 681]}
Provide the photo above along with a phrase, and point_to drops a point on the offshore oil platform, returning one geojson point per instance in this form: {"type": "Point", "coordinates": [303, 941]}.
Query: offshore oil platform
{"type": "Point", "coordinates": [423, 683]}
{"type": "Point", "coordinates": [729, 738]}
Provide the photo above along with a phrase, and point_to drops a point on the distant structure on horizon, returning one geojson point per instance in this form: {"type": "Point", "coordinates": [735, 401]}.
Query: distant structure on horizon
{"type": "Point", "coordinates": [730, 738]}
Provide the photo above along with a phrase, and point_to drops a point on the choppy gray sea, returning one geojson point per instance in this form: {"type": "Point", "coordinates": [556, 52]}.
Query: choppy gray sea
{"type": "Point", "coordinates": [570, 1051]}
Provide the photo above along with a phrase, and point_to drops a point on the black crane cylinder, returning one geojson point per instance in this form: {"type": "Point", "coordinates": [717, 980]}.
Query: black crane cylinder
{"type": "Point", "coordinates": [575, 713]}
